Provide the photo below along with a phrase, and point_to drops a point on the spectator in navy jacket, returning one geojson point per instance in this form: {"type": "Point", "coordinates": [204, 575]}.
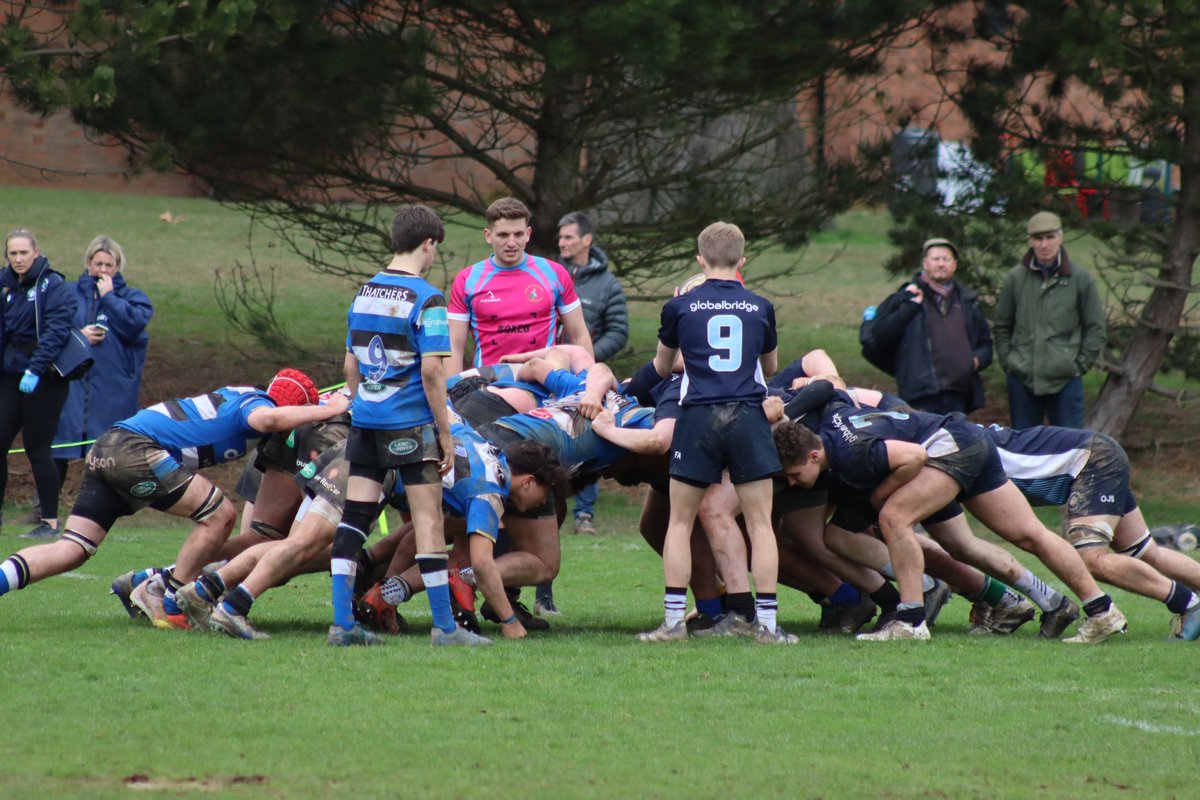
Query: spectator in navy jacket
{"type": "Point", "coordinates": [36, 312]}
{"type": "Point", "coordinates": [113, 316]}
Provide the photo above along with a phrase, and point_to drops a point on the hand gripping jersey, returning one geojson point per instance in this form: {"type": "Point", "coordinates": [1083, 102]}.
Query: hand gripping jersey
{"type": "Point", "coordinates": [203, 430]}
{"type": "Point", "coordinates": [511, 310]}
{"type": "Point", "coordinates": [476, 488]}
{"type": "Point", "coordinates": [559, 425]}
{"type": "Point", "coordinates": [721, 328]}
{"type": "Point", "coordinates": [396, 320]}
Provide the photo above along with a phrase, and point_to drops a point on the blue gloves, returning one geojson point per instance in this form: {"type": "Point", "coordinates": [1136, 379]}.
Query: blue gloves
{"type": "Point", "coordinates": [29, 382]}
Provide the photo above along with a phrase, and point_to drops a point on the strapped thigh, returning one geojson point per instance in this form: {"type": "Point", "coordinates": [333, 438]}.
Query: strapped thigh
{"type": "Point", "coordinates": [210, 505]}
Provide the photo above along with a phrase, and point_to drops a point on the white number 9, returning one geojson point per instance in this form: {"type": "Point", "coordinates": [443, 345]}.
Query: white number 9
{"type": "Point", "coordinates": [725, 334]}
{"type": "Point", "coordinates": [377, 357]}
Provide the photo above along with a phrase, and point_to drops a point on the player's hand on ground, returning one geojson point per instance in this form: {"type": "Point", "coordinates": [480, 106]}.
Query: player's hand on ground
{"type": "Point", "coordinates": [514, 631]}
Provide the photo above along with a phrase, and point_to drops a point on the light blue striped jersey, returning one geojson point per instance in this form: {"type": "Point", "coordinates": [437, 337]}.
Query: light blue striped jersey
{"type": "Point", "coordinates": [203, 430]}
{"type": "Point", "coordinates": [396, 320]}
{"type": "Point", "coordinates": [477, 487]}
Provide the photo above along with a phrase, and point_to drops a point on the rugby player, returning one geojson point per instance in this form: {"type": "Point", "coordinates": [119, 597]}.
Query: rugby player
{"type": "Point", "coordinates": [916, 464]}
{"type": "Point", "coordinates": [726, 335]}
{"type": "Point", "coordinates": [149, 460]}
{"type": "Point", "coordinates": [396, 341]}
{"type": "Point", "coordinates": [1088, 472]}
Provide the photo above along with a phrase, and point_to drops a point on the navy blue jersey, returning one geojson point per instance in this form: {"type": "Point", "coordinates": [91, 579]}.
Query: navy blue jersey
{"type": "Point", "coordinates": [396, 320]}
{"type": "Point", "coordinates": [203, 430]}
{"type": "Point", "coordinates": [855, 439]}
{"type": "Point", "coordinates": [721, 328]}
{"type": "Point", "coordinates": [666, 398]}
{"type": "Point", "coordinates": [1043, 461]}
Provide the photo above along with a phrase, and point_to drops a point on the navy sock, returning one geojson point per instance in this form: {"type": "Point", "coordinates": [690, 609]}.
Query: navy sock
{"type": "Point", "coordinates": [709, 605]}
{"type": "Point", "coordinates": [886, 597]}
{"type": "Point", "coordinates": [238, 601]}
{"type": "Point", "coordinates": [845, 595]}
{"type": "Point", "coordinates": [742, 603]}
{"type": "Point", "coordinates": [1179, 598]}
{"type": "Point", "coordinates": [1098, 606]}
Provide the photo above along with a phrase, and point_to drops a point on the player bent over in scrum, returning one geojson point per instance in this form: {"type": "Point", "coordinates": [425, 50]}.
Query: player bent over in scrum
{"type": "Point", "coordinates": [149, 460]}
{"type": "Point", "coordinates": [1089, 473]}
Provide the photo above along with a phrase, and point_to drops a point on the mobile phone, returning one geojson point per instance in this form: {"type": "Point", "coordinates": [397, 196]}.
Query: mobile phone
{"type": "Point", "coordinates": [102, 326]}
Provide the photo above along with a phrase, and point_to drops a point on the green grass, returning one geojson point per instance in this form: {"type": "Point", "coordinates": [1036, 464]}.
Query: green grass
{"type": "Point", "coordinates": [583, 711]}
{"type": "Point", "coordinates": [92, 699]}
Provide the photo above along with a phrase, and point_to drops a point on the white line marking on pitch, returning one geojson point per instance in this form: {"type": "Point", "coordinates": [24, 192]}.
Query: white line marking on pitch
{"type": "Point", "coordinates": [1151, 727]}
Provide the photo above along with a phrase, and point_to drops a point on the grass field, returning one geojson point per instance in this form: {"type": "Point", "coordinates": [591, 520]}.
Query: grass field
{"type": "Point", "coordinates": [96, 706]}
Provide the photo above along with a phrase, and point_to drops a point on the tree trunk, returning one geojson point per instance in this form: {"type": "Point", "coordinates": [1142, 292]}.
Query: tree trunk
{"type": "Point", "coordinates": [1160, 317]}
{"type": "Point", "coordinates": [558, 163]}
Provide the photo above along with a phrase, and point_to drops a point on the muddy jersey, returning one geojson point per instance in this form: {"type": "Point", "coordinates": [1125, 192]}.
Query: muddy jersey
{"type": "Point", "coordinates": [203, 430]}
{"type": "Point", "coordinates": [396, 319]}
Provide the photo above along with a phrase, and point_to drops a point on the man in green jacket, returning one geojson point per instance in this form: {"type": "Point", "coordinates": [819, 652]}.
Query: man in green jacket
{"type": "Point", "coordinates": [1049, 330]}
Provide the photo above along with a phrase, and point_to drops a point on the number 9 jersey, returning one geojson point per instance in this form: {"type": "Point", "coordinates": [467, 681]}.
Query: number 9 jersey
{"type": "Point", "coordinates": [721, 328]}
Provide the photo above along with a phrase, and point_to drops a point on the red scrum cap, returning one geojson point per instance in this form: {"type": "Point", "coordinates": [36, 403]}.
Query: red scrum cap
{"type": "Point", "coordinates": [291, 387]}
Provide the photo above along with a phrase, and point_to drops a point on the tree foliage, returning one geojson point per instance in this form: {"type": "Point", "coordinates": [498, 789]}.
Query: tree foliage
{"type": "Point", "coordinates": [1082, 90]}
{"type": "Point", "coordinates": [657, 116]}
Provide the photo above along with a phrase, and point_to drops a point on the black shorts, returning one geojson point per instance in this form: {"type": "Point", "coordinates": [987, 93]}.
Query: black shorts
{"type": "Point", "coordinates": [410, 451]}
{"type": "Point", "coordinates": [289, 451]}
{"type": "Point", "coordinates": [712, 438]}
{"type": "Point", "coordinates": [797, 498]}
{"type": "Point", "coordinates": [481, 407]}
{"type": "Point", "coordinates": [971, 459]}
{"type": "Point", "coordinates": [125, 472]}
{"type": "Point", "coordinates": [248, 483]}
{"type": "Point", "coordinates": [856, 514]}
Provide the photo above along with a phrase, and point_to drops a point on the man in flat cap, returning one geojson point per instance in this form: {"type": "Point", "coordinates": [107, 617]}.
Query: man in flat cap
{"type": "Point", "coordinates": [932, 336]}
{"type": "Point", "coordinates": [1049, 329]}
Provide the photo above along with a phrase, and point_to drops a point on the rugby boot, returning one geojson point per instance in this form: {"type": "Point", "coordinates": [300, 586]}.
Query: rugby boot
{"type": "Point", "coordinates": [544, 607]}
{"type": "Point", "coordinates": [530, 622]}
{"type": "Point", "coordinates": [935, 600]}
{"type": "Point", "coordinates": [194, 607]}
{"type": "Point", "coordinates": [235, 625]}
{"type": "Point", "coordinates": [777, 636]}
{"type": "Point", "coordinates": [463, 593]}
{"type": "Point", "coordinates": [122, 587]}
{"type": "Point", "coordinates": [1054, 622]}
{"type": "Point", "coordinates": [459, 637]}
{"type": "Point", "coordinates": [897, 630]}
{"type": "Point", "coordinates": [847, 619]}
{"type": "Point", "coordinates": [147, 597]}
{"type": "Point", "coordinates": [730, 623]}
{"type": "Point", "coordinates": [1186, 626]}
{"type": "Point", "coordinates": [666, 633]}
{"type": "Point", "coordinates": [698, 621]}
{"type": "Point", "coordinates": [378, 614]}
{"type": "Point", "coordinates": [1006, 619]}
{"type": "Point", "coordinates": [1094, 630]}
{"type": "Point", "coordinates": [358, 636]}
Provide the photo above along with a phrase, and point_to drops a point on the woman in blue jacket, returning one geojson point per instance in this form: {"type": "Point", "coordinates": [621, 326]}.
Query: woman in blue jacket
{"type": "Point", "coordinates": [36, 312]}
{"type": "Point", "coordinates": [113, 316]}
